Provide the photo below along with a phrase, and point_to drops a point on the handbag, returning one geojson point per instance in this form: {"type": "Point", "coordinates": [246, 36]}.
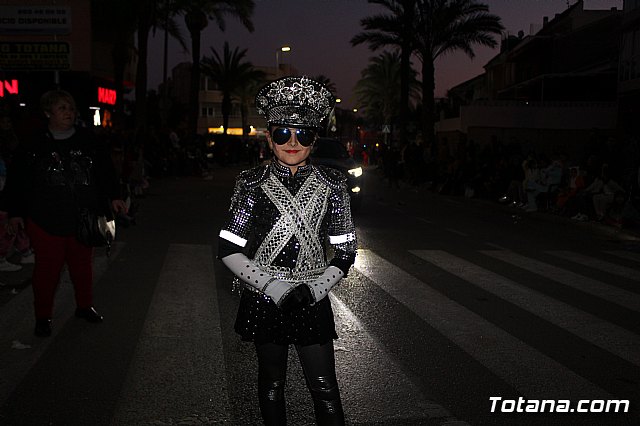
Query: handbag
{"type": "Point", "coordinates": [95, 230]}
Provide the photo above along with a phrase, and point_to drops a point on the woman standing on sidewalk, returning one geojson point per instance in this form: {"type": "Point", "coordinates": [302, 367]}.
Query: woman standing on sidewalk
{"type": "Point", "coordinates": [274, 241]}
{"type": "Point", "coordinates": [51, 177]}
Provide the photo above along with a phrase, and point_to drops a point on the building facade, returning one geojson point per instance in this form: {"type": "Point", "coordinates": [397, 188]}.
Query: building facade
{"type": "Point", "coordinates": [64, 44]}
{"type": "Point", "coordinates": [629, 70]}
{"type": "Point", "coordinates": [210, 120]}
{"type": "Point", "coordinates": [550, 90]}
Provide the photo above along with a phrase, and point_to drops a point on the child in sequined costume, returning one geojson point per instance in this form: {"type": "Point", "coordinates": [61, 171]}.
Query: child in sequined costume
{"type": "Point", "coordinates": [282, 215]}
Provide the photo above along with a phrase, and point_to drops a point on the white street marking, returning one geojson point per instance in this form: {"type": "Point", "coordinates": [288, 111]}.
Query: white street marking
{"type": "Point", "coordinates": [534, 374]}
{"type": "Point", "coordinates": [580, 282]}
{"type": "Point", "coordinates": [586, 326]}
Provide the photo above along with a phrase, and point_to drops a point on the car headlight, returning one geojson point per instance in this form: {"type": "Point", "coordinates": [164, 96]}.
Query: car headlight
{"type": "Point", "coordinates": [357, 172]}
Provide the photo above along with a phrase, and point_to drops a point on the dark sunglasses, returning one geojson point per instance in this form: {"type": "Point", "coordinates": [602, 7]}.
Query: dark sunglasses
{"type": "Point", "coordinates": [282, 135]}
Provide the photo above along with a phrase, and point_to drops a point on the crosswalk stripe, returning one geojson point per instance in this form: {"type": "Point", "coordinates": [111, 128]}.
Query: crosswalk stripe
{"type": "Point", "coordinates": [409, 402]}
{"type": "Point", "coordinates": [455, 231]}
{"type": "Point", "coordinates": [532, 373]}
{"type": "Point", "coordinates": [181, 340]}
{"type": "Point", "coordinates": [580, 282]}
{"type": "Point", "coordinates": [496, 246]}
{"type": "Point", "coordinates": [603, 265]}
{"type": "Point", "coordinates": [586, 326]}
{"type": "Point", "coordinates": [625, 254]}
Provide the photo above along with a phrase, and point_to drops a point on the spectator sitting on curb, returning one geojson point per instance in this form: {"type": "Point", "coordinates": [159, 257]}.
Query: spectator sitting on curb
{"type": "Point", "coordinates": [596, 198]}
{"type": "Point", "coordinates": [549, 179]}
{"type": "Point", "coordinates": [515, 175]}
{"type": "Point", "coordinates": [569, 192]}
{"type": "Point", "coordinates": [606, 190]}
{"type": "Point", "coordinates": [531, 175]}
{"type": "Point", "coordinates": [614, 213]}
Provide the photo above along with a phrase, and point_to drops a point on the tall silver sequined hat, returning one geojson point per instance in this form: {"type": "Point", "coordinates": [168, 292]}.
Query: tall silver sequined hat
{"type": "Point", "coordinates": [295, 102]}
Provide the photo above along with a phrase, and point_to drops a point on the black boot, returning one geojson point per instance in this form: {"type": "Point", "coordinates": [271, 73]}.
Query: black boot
{"type": "Point", "coordinates": [89, 314]}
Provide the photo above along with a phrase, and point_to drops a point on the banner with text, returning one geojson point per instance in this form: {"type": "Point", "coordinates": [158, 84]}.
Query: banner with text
{"type": "Point", "coordinates": [35, 56]}
{"type": "Point", "coordinates": [49, 19]}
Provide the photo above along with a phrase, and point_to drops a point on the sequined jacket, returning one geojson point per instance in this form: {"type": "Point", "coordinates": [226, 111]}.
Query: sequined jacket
{"type": "Point", "coordinates": [283, 222]}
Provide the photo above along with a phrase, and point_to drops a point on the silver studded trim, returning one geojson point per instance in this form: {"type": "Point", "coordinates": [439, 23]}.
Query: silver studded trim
{"type": "Point", "coordinates": [300, 216]}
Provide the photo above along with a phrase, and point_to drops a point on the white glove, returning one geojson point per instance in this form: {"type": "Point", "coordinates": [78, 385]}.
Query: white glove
{"type": "Point", "coordinates": [251, 274]}
{"type": "Point", "coordinates": [320, 286]}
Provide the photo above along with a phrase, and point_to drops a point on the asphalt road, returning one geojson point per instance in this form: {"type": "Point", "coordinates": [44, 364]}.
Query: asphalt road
{"type": "Point", "coordinates": [452, 302]}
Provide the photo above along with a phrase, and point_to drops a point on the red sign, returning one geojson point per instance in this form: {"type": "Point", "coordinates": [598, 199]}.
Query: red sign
{"type": "Point", "coordinates": [106, 96]}
{"type": "Point", "coordinates": [10, 87]}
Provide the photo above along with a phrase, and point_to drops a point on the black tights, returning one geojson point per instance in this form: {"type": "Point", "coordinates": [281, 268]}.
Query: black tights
{"type": "Point", "coordinates": [318, 364]}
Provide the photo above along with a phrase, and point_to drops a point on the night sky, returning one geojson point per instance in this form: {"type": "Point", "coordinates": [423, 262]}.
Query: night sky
{"type": "Point", "coordinates": [319, 33]}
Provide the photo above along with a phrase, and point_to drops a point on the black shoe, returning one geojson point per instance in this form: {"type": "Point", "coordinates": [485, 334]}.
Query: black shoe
{"type": "Point", "coordinates": [89, 314]}
{"type": "Point", "coordinates": [43, 328]}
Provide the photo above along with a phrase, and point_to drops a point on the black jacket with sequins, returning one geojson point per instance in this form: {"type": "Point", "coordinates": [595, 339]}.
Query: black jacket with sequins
{"type": "Point", "coordinates": [287, 222]}
{"type": "Point", "coordinates": [50, 178]}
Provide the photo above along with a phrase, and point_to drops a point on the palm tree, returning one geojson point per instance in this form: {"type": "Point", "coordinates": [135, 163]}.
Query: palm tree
{"type": "Point", "coordinates": [378, 89]}
{"type": "Point", "coordinates": [245, 94]}
{"type": "Point", "coordinates": [146, 15]}
{"type": "Point", "coordinates": [394, 29]}
{"type": "Point", "coordinates": [445, 26]}
{"type": "Point", "coordinates": [327, 82]}
{"type": "Point", "coordinates": [197, 13]}
{"type": "Point", "coordinates": [121, 39]}
{"type": "Point", "coordinates": [331, 123]}
{"type": "Point", "coordinates": [230, 73]}
{"type": "Point", "coordinates": [166, 12]}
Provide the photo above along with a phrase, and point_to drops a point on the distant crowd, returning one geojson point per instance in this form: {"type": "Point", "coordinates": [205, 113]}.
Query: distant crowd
{"type": "Point", "coordinates": [600, 185]}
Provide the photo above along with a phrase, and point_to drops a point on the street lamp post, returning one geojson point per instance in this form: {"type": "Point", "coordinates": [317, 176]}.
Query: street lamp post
{"type": "Point", "coordinates": [282, 49]}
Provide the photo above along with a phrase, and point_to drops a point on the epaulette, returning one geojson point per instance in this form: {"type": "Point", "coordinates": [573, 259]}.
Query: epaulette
{"type": "Point", "coordinates": [255, 176]}
{"type": "Point", "coordinates": [331, 177]}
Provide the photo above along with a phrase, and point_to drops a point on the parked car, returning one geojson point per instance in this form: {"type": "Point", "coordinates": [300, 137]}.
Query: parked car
{"type": "Point", "coordinates": [332, 153]}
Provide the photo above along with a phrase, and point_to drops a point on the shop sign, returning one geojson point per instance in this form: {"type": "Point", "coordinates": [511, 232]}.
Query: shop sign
{"type": "Point", "coordinates": [35, 56]}
{"type": "Point", "coordinates": [8, 87]}
{"type": "Point", "coordinates": [35, 19]}
{"type": "Point", "coordinates": [106, 96]}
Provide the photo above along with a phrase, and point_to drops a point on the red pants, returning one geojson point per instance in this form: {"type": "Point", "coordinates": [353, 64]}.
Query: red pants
{"type": "Point", "coordinates": [51, 253]}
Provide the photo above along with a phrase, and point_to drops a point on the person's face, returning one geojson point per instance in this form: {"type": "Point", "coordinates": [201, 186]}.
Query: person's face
{"type": "Point", "coordinates": [62, 116]}
{"type": "Point", "coordinates": [291, 153]}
